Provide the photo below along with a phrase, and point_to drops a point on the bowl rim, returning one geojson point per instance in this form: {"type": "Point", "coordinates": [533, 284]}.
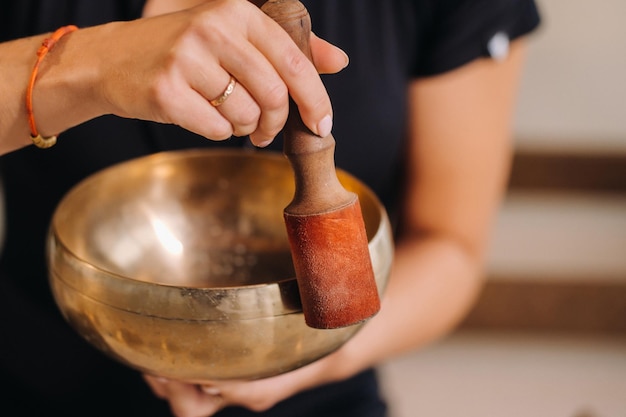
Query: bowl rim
{"type": "Point", "coordinates": [59, 253]}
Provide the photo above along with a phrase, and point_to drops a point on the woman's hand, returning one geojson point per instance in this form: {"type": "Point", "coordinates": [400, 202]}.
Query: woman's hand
{"type": "Point", "coordinates": [187, 59]}
{"type": "Point", "coordinates": [168, 68]}
{"type": "Point", "coordinates": [193, 400]}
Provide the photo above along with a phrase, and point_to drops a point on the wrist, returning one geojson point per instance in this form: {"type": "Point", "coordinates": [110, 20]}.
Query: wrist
{"type": "Point", "coordinates": [342, 364]}
{"type": "Point", "coordinates": [46, 47]}
{"type": "Point", "coordinates": [64, 93]}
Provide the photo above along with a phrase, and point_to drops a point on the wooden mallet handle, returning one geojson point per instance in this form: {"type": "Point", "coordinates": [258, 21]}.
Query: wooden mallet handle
{"type": "Point", "coordinates": [324, 222]}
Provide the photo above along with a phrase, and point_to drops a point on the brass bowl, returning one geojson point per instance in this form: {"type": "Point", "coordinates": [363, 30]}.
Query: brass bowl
{"type": "Point", "coordinates": [177, 264]}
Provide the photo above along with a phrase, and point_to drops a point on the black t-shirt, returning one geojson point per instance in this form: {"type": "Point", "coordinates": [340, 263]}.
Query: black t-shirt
{"type": "Point", "coordinates": [389, 42]}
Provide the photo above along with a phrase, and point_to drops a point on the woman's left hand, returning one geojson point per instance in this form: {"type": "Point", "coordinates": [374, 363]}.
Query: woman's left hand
{"type": "Point", "coordinates": [194, 400]}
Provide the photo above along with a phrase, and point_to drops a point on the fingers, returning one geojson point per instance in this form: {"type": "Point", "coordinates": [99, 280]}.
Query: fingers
{"type": "Point", "coordinates": [328, 58]}
{"type": "Point", "coordinates": [269, 68]}
{"type": "Point", "coordinates": [192, 111]}
{"type": "Point", "coordinates": [198, 52]}
{"type": "Point", "coordinates": [186, 400]}
{"type": "Point", "coordinates": [258, 78]}
{"type": "Point", "coordinates": [239, 107]}
{"type": "Point", "coordinates": [298, 74]}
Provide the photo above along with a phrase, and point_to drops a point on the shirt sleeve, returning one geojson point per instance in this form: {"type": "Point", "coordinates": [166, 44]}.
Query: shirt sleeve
{"type": "Point", "coordinates": [459, 31]}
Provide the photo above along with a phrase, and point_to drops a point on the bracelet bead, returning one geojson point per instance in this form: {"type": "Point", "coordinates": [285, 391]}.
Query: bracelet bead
{"type": "Point", "coordinates": [43, 143]}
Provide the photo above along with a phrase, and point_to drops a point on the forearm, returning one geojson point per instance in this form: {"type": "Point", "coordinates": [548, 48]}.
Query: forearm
{"type": "Point", "coordinates": [18, 58]}
{"type": "Point", "coordinates": [167, 69]}
{"type": "Point", "coordinates": [456, 180]}
{"type": "Point", "coordinates": [61, 94]}
{"type": "Point", "coordinates": [434, 282]}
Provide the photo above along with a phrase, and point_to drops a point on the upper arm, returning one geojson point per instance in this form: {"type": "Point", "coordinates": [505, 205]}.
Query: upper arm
{"type": "Point", "coordinates": [459, 149]}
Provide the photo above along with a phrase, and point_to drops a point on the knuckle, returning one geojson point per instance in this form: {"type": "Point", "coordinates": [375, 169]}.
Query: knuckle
{"type": "Point", "coordinates": [243, 131]}
{"type": "Point", "coordinates": [210, 27]}
{"type": "Point", "coordinates": [322, 104]}
{"type": "Point", "coordinates": [274, 129]}
{"type": "Point", "coordinates": [159, 94]}
{"type": "Point", "coordinates": [271, 125]}
{"type": "Point", "coordinates": [221, 131]}
{"type": "Point", "coordinates": [275, 96]}
{"type": "Point", "coordinates": [297, 63]}
{"type": "Point", "coordinates": [246, 120]}
{"type": "Point", "coordinates": [249, 116]}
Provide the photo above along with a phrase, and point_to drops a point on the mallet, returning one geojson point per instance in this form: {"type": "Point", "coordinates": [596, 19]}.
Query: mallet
{"type": "Point", "coordinates": [325, 226]}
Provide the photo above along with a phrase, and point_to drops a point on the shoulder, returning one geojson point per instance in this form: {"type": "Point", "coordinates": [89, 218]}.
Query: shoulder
{"type": "Point", "coordinates": [459, 31]}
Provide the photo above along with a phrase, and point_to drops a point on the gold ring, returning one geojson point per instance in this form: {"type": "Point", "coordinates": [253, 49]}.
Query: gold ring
{"type": "Point", "coordinates": [227, 92]}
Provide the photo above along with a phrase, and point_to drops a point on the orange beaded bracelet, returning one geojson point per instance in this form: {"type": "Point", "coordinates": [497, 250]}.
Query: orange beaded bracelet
{"type": "Point", "coordinates": [46, 46]}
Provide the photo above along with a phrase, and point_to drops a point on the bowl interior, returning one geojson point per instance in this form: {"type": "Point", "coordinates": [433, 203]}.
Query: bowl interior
{"type": "Point", "coordinates": [180, 219]}
{"type": "Point", "coordinates": [193, 219]}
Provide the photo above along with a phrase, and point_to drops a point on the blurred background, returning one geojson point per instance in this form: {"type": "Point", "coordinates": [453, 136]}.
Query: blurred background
{"type": "Point", "coordinates": [548, 334]}
{"type": "Point", "coordinates": [547, 337]}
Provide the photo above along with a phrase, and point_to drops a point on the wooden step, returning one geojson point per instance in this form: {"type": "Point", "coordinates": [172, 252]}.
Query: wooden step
{"type": "Point", "coordinates": [558, 255]}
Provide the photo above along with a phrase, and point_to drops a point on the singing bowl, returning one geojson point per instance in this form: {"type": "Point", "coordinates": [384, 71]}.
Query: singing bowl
{"type": "Point", "coordinates": [178, 265]}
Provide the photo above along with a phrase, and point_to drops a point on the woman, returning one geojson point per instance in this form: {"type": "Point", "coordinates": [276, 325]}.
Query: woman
{"type": "Point", "coordinates": [422, 114]}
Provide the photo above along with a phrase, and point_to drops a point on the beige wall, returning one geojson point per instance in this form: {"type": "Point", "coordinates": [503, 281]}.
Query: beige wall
{"type": "Point", "coordinates": [573, 93]}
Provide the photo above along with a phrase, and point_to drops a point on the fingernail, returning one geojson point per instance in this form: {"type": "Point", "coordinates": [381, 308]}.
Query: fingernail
{"type": "Point", "coordinates": [211, 390]}
{"type": "Point", "coordinates": [162, 380]}
{"type": "Point", "coordinates": [263, 144]}
{"type": "Point", "coordinates": [325, 126]}
{"type": "Point", "coordinates": [347, 58]}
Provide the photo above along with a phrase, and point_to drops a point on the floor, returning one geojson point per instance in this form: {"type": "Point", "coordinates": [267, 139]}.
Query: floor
{"type": "Point", "coordinates": [474, 373]}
